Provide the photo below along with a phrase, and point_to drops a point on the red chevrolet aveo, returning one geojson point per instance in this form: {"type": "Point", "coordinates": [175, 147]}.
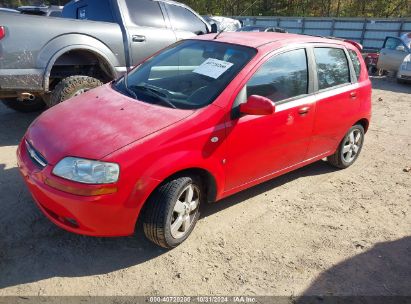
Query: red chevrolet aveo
{"type": "Point", "coordinates": [197, 122]}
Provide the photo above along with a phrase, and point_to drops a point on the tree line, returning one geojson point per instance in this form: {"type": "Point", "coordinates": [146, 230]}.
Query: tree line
{"type": "Point", "coordinates": [300, 8]}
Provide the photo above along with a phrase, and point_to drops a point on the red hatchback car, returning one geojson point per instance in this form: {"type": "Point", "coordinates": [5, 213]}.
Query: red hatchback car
{"type": "Point", "coordinates": [199, 121]}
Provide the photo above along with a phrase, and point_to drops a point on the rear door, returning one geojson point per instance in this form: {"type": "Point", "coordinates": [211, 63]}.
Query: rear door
{"type": "Point", "coordinates": [259, 146]}
{"type": "Point", "coordinates": [147, 28]}
{"type": "Point", "coordinates": [338, 98]}
{"type": "Point", "coordinates": [392, 54]}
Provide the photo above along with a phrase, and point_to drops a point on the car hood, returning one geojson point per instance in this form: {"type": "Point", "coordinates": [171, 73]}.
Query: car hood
{"type": "Point", "coordinates": [96, 124]}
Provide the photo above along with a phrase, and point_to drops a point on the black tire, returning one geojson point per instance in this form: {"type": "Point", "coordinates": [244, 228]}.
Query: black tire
{"type": "Point", "coordinates": [72, 86]}
{"type": "Point", "coordinates": [24, 106]}
{"type": "Point", "coordinates": [338, 159]}
{"type": "Point", "coordinates": [381, 72]}
{"type": "Point", "coordinates": [159, 212]}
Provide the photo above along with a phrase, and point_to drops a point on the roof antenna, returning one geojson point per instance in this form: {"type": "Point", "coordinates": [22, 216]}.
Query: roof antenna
{"type": "Point", "coordinates": [219, 33]}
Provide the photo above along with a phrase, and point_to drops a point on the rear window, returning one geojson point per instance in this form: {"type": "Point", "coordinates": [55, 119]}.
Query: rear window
{"type": "Point", "coordinates": [146, 13]}
{"type": "Point", "coordinates": [332, 67]}
{"type": "Point", "coordinates": [94, 10]}
{"type": "Point", "coordinates": [356, 63]}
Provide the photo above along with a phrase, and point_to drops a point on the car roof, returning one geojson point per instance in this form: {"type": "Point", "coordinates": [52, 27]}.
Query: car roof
{"type": "Point", "coordinates": [259, 39]}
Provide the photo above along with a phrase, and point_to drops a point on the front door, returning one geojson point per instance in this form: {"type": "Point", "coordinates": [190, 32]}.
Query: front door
{"type": "Point", "coordinates": [392, 54]}
{"type": "Point", "coordinates": [259, 146]}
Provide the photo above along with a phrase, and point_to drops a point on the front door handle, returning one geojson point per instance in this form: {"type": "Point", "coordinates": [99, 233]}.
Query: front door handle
{"type": "Point", "coordinates": [353, 95]}
{"type": "Point", "coordinates": [303, 110]}
{"type": "Point", "coordinates": [139, 38]}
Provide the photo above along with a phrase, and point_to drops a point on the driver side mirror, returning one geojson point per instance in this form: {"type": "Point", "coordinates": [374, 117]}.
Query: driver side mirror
{"type": "Point", "coordinates": [257, 105]}
{"type": "Point", "coordinates": [400, 48]}
{"type": "Point", "coordinates": [214, 28]}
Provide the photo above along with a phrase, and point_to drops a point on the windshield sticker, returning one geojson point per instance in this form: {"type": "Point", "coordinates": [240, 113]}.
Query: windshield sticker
{"type": "Point", "coordinates": [213, 68]}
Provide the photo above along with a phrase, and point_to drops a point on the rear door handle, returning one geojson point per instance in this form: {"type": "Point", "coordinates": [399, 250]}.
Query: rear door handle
{"type": "Point", "coordinates": [138, 38]}
{"type": "Point", "coordinates": [303, 110]}
{"type": "Point", "coordinates": [353, 95]}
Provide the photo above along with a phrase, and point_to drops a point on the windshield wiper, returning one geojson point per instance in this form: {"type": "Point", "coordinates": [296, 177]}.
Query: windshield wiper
{"type": "Point", "coordinates": [154, 93]}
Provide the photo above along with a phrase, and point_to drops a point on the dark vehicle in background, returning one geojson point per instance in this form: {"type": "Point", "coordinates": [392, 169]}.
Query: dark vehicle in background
{"type": "Point", "coordinates": [45, 64]}
{"type": "Point", "coordinates": [43, 10]}
{"type": "Point", "coordinates": [371, 60]}
{"type": "Point", "coordinates": [261, 28]}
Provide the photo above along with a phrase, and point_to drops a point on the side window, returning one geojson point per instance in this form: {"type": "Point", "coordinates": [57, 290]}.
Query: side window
{"type": "Point", "coordinates": [281, 77]}
{"type": "Point", "coordinates": [55, 14]}
{"type": "Point", "coordinates": [392, 43]}
{"type": "Point", "coordinates": [355, 62]}
{"type": "Point", "coordinates": [332, 67]}
{"type": "Point", "coordinates": [146, 13]}
{"type": "Point", "coordinates": [183, 19]}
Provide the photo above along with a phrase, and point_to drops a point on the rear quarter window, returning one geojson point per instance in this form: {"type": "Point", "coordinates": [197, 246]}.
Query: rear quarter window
{"type": "Point", "coordinates": [332, 67]}
{"type": "Point", "coordinates": [94, 10]}
{"type": "Point", "coordinates": [356, 63]}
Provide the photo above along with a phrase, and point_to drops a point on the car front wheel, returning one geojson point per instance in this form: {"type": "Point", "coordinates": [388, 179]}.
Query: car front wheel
{"type": "Point", "coordinates": [349, 148]}
{"type": "Point", "coordinates": [172, 211]}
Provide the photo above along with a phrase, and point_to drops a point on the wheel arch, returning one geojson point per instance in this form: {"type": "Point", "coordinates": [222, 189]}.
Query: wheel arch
{"type": "Point", "coordinates": [207, 179]}
{"type": "Point", "coordinates": [76, 44]}
{"type": "Point", "coordinates": [364, 123]}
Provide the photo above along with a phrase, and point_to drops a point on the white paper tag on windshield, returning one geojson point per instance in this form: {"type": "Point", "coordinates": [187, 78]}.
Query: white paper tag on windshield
{"type": "Point", "coordinates": [213, 68]}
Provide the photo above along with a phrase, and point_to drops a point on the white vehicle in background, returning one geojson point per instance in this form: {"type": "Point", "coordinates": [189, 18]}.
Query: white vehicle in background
{"type": "Point", "coordinates": [224, 24]}
{"type": "Point", "coordinates": [404, 73]}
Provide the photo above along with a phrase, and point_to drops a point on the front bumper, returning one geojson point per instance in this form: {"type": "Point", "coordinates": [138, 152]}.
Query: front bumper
{"type": "Point", "coordinates": [404, 74]}
{"type": "Point", "coordinates": [103, 215]}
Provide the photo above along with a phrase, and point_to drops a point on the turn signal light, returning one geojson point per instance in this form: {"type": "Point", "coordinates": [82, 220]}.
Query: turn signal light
{"type": "Point", "coordinates": [2, 32]}
{"type": "Point", "coordinates": [86, 191]}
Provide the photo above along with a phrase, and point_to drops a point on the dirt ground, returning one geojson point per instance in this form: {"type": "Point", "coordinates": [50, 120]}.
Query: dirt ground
{"type": "Point", "coordinates": [314, 231]}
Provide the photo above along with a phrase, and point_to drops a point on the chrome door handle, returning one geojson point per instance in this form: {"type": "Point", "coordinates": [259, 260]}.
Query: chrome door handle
{"type": "Point", "coordinates": [138, 38]}
{"type": "Point", "coordinates": [303, 110]}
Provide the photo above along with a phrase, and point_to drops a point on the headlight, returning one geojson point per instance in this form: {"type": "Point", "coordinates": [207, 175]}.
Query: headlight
{"type": "Point", "coordinates": [87, 171]}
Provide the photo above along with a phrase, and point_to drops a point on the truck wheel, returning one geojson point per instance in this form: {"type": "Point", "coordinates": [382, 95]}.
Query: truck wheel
{"type": "Point", "coordinates": [72, 86]}
{"type": "Point", "coordinates": [26, 106]}
{"type": "Point", "coordinates": [349, 148]}
{"type": "Point", "coordinates": [172, 211]}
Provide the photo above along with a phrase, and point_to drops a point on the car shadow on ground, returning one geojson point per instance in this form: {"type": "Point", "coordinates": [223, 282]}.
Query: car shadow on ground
{"type": "Point", "coordinates": [381, 271]}
{"type": "Point", "coordinates": [34, 249]}
{"type": "Point", "coordinates": [387, 83]}
{"type": "Point", "coordinates": [13, 125]}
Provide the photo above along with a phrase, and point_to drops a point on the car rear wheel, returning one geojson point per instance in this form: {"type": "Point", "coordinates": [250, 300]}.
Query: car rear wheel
{"type": "Point", "coordinates": [349, 148]}
{"type": "Point", "coordinates": [72, 86]}
{"type": "Point", "coordinates": [172, 211]}
{"type": "Point", "coordinates": [25, 106]}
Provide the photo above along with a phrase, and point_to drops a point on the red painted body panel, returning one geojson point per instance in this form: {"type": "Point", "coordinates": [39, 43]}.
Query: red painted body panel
{"type": "Point", "coordinates": [151, 143]}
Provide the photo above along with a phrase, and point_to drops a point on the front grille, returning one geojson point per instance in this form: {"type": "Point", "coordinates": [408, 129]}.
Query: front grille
{"type": "Point", "coordinates": [35, 156]}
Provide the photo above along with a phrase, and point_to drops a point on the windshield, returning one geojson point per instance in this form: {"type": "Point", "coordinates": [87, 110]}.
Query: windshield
{"type": "Point", "coordinates": [188, 75]}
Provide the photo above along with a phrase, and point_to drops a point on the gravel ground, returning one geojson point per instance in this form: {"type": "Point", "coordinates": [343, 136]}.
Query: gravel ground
{"type": "Point", "coordinates": [314, 231]}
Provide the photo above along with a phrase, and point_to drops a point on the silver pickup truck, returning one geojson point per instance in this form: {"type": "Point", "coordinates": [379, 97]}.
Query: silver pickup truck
{"type": "Point", "coordinates": [45, 60]}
